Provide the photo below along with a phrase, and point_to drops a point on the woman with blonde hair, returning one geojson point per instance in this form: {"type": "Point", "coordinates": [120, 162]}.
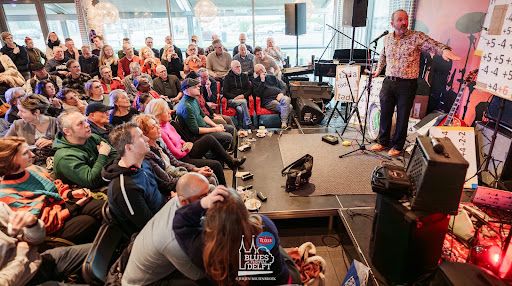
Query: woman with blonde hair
{"type": "Point", "coordinates": [189, 152]}
{"type": "Point", "coordinates": [172, 62]}
{"type": "Point", "coordinates": [215, 230]}
{"type": "Point", "coordinates": [109, 58]}
{"type": "Point", "coordinates": [148, 61]}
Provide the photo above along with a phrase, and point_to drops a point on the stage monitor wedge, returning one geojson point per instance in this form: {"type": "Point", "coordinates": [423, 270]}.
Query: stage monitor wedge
{"type": "Point", "coordinates": [295, 18]}
{"type": "Point", "coordinates": [355, 13]}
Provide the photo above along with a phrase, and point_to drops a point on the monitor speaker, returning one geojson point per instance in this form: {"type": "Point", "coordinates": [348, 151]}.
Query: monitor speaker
{"type": "Point", "coordinates": [354, 13]}
{"type": "Point", "coordinates": [494, 109]}
{"type": "Point", "coordinates": [309, 112]}
{"type": "Point", "coordinates": [404, 244]}
{"type": "Point", "coordinates": [501, 159]}
{"type": "Point", "coordinates": [295, 18]}
{"type": "Point", "coordinates": [437, 178]}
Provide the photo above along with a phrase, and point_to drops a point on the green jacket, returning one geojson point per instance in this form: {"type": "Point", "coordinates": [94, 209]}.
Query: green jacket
{"type": "Point", "coordinates": [190, 112]}
{"type": "Point", "coordinates": [80, 164]}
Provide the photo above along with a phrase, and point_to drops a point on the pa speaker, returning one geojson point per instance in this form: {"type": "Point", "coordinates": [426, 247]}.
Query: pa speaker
{"type": "Point", "coordinates": [437, 178]}
{"type": "Point", "coordinates": [494, 109]}
{"type": "Point", "coordinates": [354, 13]}
{"type": "Point", "coordinates": [404, 244]}
{"type": "Point", "coordinates": [501, 158]}
{"type": "Point", "coordinates": [295, 18]}
{"type": "Point", "coordinates": [309, 112]}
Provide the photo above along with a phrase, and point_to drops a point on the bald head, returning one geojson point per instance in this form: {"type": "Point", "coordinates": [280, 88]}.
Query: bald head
{"type": "Point", "coordinates": [236, 67]}
{"type": "Point", "coordinates": [191, 187]}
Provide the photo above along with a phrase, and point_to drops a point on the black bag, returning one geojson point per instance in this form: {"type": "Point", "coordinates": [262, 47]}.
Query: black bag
{"type": "Point", "coordinates": [298, 173]}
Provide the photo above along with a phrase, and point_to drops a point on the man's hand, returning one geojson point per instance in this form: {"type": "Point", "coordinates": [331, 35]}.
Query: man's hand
{"type": "Point", "coordinates": [375, 74]}
{"type": "Point", "coordinates": [43, 142]}
{"type": "Point", "coordinates": [56, 103]}
{"type": "Point", "coordinates": [16, 50]}
{"type": "Point", "coordinates": [81, 193]}
{"type": "Point", "coordinates": [19, 220]}
{"type": "Point", "coordinates": [240, 96]}
{"type": "Point", "coordinates": [449, 55]}
{"type": "Point", "coordinates": [262, 76]}
{"type": "Point", "coordinates": [103, 148]}
{"type": "Point", "coordinates": [279, 97]}
{"type": "Point", "coordinates": [205, 171]}
{"type": "Point", "coordinates": [187, 146]}
{"type": "Point", "coordinates": [220, 128]}
{"type": "Point", "coordinates": [207, 84]}
{"type": "Point", "coordinates": [218, 194]}
{"type": "Point", "coordinates": [81, 202]}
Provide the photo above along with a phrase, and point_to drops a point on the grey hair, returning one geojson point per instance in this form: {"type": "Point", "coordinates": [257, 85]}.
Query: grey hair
{"type": "Point", "coordinates": [201, 71]}
{"type": "Point", "coordinates": [11, 93]}
{"type": "Point", "coordinates": [114, 96]}
{"type": "Point", "coordinates": [63, 121]}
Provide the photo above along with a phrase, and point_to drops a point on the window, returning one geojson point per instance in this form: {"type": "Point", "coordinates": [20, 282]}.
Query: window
{"type": "Point", "coordinates": [22, 21]}
{"type": "Point", "coordinates": [62, 19]}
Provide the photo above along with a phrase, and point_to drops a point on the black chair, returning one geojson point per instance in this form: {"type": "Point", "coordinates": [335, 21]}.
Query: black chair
{"type": "Point", "coordinates": [106, 248]}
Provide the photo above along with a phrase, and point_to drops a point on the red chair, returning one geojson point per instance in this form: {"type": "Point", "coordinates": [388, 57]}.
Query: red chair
{"type": "Point", "coordinates": [227, 110]}
{"type": "Point", "coordinates": [262, 110]}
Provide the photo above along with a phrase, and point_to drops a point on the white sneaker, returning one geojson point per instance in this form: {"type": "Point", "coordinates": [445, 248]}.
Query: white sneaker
{"type": "Point", "coordinates": [284, 125]}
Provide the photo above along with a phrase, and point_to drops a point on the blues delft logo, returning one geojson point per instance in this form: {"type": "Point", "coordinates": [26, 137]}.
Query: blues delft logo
{"type": "Point", "coordinates": [257, 259]}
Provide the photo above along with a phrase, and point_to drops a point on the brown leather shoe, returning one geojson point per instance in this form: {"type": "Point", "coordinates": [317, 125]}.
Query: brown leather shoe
{"type": "Point", "coordinates": [377, 148]}
{"type": "Point", "coordinates": [394, 153]}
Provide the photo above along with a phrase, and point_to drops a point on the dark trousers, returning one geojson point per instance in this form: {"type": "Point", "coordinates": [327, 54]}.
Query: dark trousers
{"type": "Point", "coordinates": [215, 165]}
{"type": "Point", "coordinates": [399, 93]}
{"type": "Point", "coordinates": [82, 227]}
{"type": "Point", "coordinates": [225, 138]}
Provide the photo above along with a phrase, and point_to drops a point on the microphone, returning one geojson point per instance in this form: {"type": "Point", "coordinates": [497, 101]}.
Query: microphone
{"type": "Point", "coordinates": [437, 146]}
{"type": "Point", "coordinates": [378, 38]}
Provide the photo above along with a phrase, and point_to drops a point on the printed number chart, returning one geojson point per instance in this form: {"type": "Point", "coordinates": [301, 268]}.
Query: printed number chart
{"type": "Point", "coordinates": [495, 47]}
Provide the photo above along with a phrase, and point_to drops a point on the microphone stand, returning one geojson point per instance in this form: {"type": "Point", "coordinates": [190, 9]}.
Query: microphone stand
{"type": "Point", "coordinates": [362, 145]}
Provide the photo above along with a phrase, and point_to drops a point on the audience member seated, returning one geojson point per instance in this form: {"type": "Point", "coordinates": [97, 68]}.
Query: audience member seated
{"type": "Point", "coordinates": [123, 110]}
{"type": "Point", "coordinates": [35, 55]}
{"type": "Point", "coordinates": [57, 64]}
{"type": "Point", "coordinates": [189, 152]}
{"type": "Point", "coordinates": [148, 61]}
{"type": "Point", "coordinates": [109, 58]}
{"type": "Point", "coordinates": [246, 59]}
{"type": "Point", "coordinates": [75, 79]}
{"type": "Point", "coordinates": [216, 229]}
{"type": "Point", "coordinates": [149, 43]}
{"type": "Point", "coordinates": [194, 60]}
{"type": "Point", "coordinates": [107, 81]}
{"type": "Point", "coordinates": [71, 52]}
{"type": "Point", "coordinates": [155, 249]}
{"type": "Point", "coordinates": [170, 41]}
{"type": "Point", "coordinates": [210, 48]}
{"type": "Point", "coordinates": [121, 54]}
{"type": "Point", "coordinates": [38, 129]}
{"type": "Point", "coordinates": [80, 155]}
{"type": "Point", "coordinates": [167, 85]}
{"type": "Point", "coordinates": [200, 51]}
{"type": "Point", "coordinates": [267, 61]}
{"type": "Point", "coordinates": [272, 92]}
{"type": "Point", "coordinates": [133, 194]}
{"type": "Point", "coordinates": [195, 120]}
{"type": "Point", "coordinates": [237, 89]}
{"type": "Point", "coordinates": [274, 51]}
{"type": "Point", "coordinates": [144, 94]}
{"type": "Point", "coordinates": [208, 92]}
{"type": "Point", "coordinates": [66, 213]}
{"type": "Point", "coordinates": [71, 100]}
{"type": "Point", "coordinates": [124, 68]}
{"type": "Point", "coordinates": [128, 81]}
{"type": "Point", "coordinates": [40, 74]}
{"type": "Point", "coordinates": [98, 118]}
{"type": "Point", "coordinates": [98, 45]}
{"type": "Point", "coordinates": [242, 38]}
{"type": "Point", "coordinates": [218, 62]}
{"type": "Point", "coordinates": [94, 92]}
{"type": "Point", "coordinates": [21, 264]}
{"type": "Point", "coordinates": [9, 75]}
{"type": "Point", "coordinates": [48, 89]}
{"type": "Point", "coordinates": [11, 97]}
{"type": "Point", "coordinates": [172, 62]}
{"type": "Point", "coordinates": [89, 62]}
{"type": "Point", "coordinates": [52, 42]}
{"type": "Point", "coordinates": [166, 167]}
{"type": "Point", "coordinates": [17, 53]}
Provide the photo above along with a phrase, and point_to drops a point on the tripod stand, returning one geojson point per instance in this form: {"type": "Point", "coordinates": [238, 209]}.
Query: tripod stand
{"type": "Point", "coordinates": [362, 145]}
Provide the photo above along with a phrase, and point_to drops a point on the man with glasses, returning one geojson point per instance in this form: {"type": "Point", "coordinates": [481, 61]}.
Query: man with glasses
{"type": "Point", "coordinates": [218, 63]}
{"type": "Point", "coordinates": [75, 79]}
{"type": "Point", "coordinates": [108, 82]}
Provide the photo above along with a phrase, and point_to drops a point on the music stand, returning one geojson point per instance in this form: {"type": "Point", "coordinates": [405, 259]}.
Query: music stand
{"type": "Point", "coordinates": [362, 145]}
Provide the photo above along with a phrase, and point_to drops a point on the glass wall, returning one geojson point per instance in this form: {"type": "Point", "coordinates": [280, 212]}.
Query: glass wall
{"type": "Point", "coordinates": [62, 19]}
{"type": "Point", "coordinates": [22, 21]}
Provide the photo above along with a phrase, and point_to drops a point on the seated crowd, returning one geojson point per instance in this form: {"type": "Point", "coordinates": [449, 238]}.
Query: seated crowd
{"type": "Point", "coordinates": [137, 133]}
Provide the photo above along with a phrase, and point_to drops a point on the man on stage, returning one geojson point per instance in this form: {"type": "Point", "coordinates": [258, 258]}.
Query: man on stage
{"type": "Point", "coordinates": [401, 55]}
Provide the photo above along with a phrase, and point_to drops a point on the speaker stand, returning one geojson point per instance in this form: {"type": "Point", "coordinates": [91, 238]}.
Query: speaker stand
{"type": "Point", "coordinates": [297, 50]}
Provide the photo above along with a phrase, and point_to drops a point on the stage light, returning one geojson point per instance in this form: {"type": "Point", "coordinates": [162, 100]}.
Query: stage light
{"type": "Point", "coordinates": [494, 253]}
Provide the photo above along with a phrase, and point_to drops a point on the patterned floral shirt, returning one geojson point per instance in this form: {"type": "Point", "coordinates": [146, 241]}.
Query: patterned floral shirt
{"type": "Point", "coordinates": [401, 56]}
{"type": "Point", "coordinates": [76, 83]}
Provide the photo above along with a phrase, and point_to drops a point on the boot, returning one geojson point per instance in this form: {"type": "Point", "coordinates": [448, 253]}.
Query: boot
{"type": "Point", "coordinates": [236, 162]}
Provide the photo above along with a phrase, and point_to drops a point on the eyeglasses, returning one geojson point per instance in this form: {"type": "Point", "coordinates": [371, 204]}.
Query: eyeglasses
{"type": "Point", "coordinates": [97, 86]}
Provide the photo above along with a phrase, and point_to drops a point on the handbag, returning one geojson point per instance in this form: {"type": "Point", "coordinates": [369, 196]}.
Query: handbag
{"type": "Point", "coordinates": [298, 173]}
